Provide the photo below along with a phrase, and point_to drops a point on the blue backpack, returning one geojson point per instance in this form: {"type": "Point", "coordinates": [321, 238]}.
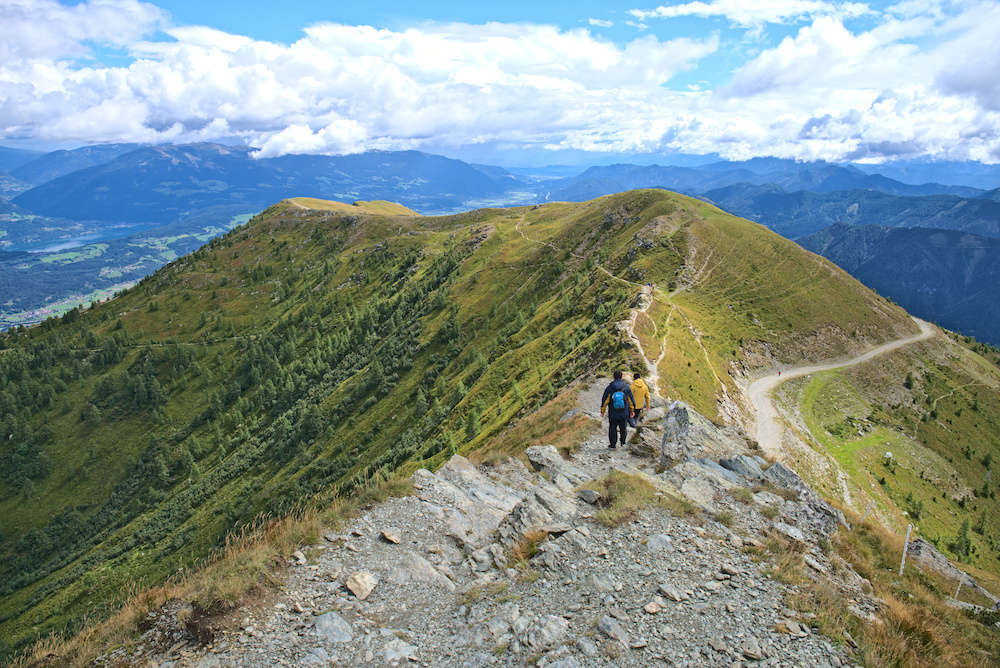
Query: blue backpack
{"type": "Point", "coordinates": [618, 400]}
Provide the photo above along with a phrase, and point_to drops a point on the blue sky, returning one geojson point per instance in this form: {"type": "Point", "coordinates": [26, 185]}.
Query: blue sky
{"type": "Point", "coordinates": [516, 83]}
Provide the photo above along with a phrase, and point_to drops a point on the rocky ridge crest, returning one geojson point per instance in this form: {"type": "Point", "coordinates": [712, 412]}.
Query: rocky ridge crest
{"type": "Point", "coordinates": [430, 579]}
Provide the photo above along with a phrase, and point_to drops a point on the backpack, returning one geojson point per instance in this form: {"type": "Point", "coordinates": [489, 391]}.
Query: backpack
{"type": "Point", "coordinates": [618, 400]}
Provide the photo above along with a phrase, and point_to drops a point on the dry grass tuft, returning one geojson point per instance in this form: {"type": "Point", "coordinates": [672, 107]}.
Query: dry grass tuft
{"type": "Point", "coordinates": [624, 495]}
{"type": "Point", "coordinates": [916, 626]}
{"type": "Point", "coordinates": [526, 548]}
{"type": "Point", "coordinates": [248, 561]}
{"type": "Point", "coordinates": [541, 427]}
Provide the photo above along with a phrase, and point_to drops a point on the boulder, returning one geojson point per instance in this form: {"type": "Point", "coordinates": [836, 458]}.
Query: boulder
{"type": "Point", "coordinates": [686, 434]}
{"type": "Point", "coordinates": [411, 567]}
{"type": "Point", "coordinates": [743, 465]}
{"type": "Point", "coordinates": [610, 627]}
{"type": "Point", "coordinates": [361, 584]}
{"type": "Point", "coordinates": [333, 627]}
{"type": "Point", "coordinates": [479, 504]}
{"type": "Point", "coordinates": [546, 458]}
{"type": "Point", "coordinates": [783, 477]}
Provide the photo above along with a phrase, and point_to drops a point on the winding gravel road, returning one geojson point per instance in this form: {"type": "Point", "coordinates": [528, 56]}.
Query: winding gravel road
{"type": "Point", "coordinates": [769, 430]}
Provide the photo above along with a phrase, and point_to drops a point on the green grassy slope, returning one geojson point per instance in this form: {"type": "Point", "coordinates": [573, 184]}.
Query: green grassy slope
{"type": "Point", "coordinates": [320, 346]}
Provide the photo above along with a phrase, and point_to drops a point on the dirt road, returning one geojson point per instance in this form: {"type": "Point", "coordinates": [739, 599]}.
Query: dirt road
{"type": "Point", "coordinates": [769, 430]}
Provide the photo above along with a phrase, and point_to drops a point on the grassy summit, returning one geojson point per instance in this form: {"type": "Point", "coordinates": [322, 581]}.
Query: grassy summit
{"type": "Point", "coordinates": [325, 345]}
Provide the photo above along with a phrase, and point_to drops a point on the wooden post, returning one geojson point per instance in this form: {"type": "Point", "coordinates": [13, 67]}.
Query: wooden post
{"type": "Point", "coordinates": [906, 544]}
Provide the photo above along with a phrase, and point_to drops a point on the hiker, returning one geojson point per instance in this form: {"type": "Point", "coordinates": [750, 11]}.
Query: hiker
{"type": "Point", "coordinates": [641, 393]}
{"type": "Point", "coordinates": [620, 404]}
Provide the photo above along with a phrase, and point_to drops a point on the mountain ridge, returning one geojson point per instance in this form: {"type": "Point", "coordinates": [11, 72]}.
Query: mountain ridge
{"type": "Point", "coordinates": [187, 370]}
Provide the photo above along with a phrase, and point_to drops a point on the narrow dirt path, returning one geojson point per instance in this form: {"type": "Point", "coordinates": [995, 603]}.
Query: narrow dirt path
{"type": "Point", "coordinates": [769, 430]}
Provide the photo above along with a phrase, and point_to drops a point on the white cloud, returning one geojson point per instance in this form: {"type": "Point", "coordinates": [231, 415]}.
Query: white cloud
{"type": "Point", "coordinates": [754, 13]}
{"type": "Point", "coordinates": [971, 61]}
{"type": "Point", "coordinates": [343, 88]}
{"type": "Point", "coordinates": [48, 30]}
{"type": "Point", "coordinates": [921, 81]}
{"type": "Point", "coordinates": [599, 23]}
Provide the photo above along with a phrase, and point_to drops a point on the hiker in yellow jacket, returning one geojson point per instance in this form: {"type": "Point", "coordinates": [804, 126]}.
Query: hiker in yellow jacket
{"type": "Point", "coordinates": [641, 394]}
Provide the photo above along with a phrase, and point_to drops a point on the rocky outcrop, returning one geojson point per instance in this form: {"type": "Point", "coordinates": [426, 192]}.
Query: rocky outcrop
{"type": "Point", "coordinates": [686, 435]}
{"type": "Point", "coordinates": [926, 556]}
{"type": "Point", "coordinates": [442, 578]}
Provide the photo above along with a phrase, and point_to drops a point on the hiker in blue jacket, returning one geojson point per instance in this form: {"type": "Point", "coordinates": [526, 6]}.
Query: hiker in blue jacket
{"type": "Point", "coordinates": [620, 403]}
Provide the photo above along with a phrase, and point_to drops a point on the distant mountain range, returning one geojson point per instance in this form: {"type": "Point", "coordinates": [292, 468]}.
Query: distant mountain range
{"type": "Point", "coordinates": [163, 184]}
{"type": "Point", "coordinates": [108, 192]}
{"type": "Point", "coordinates": [799, 213]}
{"type": "Point", "coordinates": [950, 277]}
{"type": "Point", "coordinates": [786, 174]}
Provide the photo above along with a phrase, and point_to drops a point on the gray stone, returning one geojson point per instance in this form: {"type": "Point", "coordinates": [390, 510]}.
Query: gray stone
{"type": "Point", "coordinates": [815, 565]}
{"type": "Point", "coordinates": [686, 434]}
{"type": "Point", "coordinates": [589, 495]}
{"type": "Point", "coordinates": [587, 647]}
{"type": "Point", "coordinates": [547, 458]}
{"type": "Point", "coordinates": [751, 650]}
{"type": "Point", "coordinates": [744, 466]}
{"type": "Point", "coordinates": [333, 627]}
{"type": "Point", "coordinates": [784, 477]}
{"type": "Point", "coordinates": [545, 632]}
{"type": "Point", "coordinates": [610, 627]}
{"type": "Point", "coordinates": [564, 662]}
{"type": "Point", "coordinates": [411, 567]}
{"type": "Point", "coordinates": [392, 535]}
{"type": "Point", "coordinates": [768, 499]}
{"type": "Point", "coordinates": [673, 593]}
{"type": "Point", "coordinates": [718, 644]}
{"type": "Point", "coordinates": [601, 582]}
{"type": "Point", "coordinates": [317, 655]}
{"type": "Point", "coordinates": [397, 650]}
{"type": "Point", "coordinates": [793, 533]}
{"type": "Point", "coordinates": [503, 621]}
{"type": "Point", "coordinates": [717, 470]}
{"type": "Point", "coordinates": [478, 503]}
{"type": "Point", "coordinates": [659, 543]}
{"type": "Point", "coordinates": [556, 529]}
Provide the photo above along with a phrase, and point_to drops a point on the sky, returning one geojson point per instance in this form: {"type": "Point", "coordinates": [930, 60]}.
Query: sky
{"type": "Point", "coordinates": [516, 83]}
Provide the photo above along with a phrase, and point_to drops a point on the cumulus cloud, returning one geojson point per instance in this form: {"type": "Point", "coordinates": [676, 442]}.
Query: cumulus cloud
{"type": "Point", "coordinates": [754, 13]}
{"type": "Point", "coordinates": [920, 81]}
{"type": "Point", "coordinates": [48, 30]}
{"type": "Point", "coordinates": [343, 88]}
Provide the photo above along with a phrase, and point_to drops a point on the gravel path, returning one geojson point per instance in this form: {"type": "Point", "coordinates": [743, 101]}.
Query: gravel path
{"type": "Point", "coordinates": [769, 430]}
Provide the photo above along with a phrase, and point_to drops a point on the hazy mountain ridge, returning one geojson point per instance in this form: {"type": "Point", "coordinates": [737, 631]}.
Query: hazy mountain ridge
{"type": "Point", "coordinates": [207, 186]}
{"type": "Point", "coordinates": [797, 214]}
{"type": "Point", "coordinates": [950, 277]}
{"type": "Point", "coordinates": [165, 183]}
{"type": "Point", "coordinates": [59, 163]}
{"type": "Point", "coordinates": [12, 158]}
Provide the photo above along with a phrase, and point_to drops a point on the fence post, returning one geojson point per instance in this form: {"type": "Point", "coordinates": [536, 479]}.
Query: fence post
{"type": "Point", "coordinates": [865, 516]}
{"type": "Point", "coordinates": [906, 544]}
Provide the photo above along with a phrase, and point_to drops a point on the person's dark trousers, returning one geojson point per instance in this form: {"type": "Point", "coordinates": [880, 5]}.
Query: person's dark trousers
{"type": "Point", "coordinates": [615, 427]}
